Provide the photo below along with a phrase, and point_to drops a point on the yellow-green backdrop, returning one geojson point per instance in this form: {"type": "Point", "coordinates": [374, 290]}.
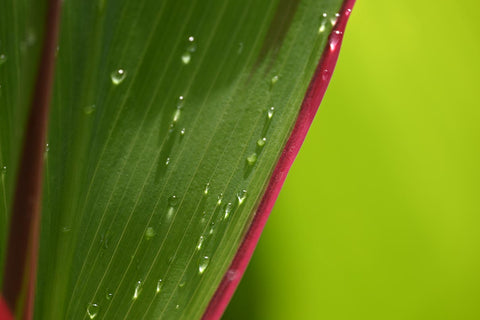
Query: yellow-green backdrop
{"type": "Point", "coordinates": [380, 215]}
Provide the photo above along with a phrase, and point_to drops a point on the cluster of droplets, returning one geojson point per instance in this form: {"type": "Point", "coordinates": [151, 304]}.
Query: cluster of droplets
{"type": "Point", "coordinates": [191, 48]}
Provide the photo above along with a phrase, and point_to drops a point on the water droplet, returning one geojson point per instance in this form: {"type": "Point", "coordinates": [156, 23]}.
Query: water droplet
{"type": "Point", "coordinates": [118, 76]}
{"type": "Point", "coordinates": [92, 310]}
{"type": "Point", "coordinates": [322, 27]}
{"type": "Point", "coordinates": [167, 161]}
{"type": "Point", "coordinates": [241, 196]}
{"type": "Point", "coordinates": [88, 110]}
{"type": "Point", "coordinates": [240, 48]}
{"type": "Point", "coordinates": [4, 170]}
{"type": "Point", "coordinates": [177, 307]}
{"type": "Point", "coordinates": [337, 14]}
{"type": "Point", "coordinates": [186, 57]}
{"type": "Point", "coordinates": [150, 233]}
{"type": "Point", "coordinates": [202, 266]}
{"type": "Point", "coordinates": [138, 290]}
{"type": "Point", "coordinates": [261, 142]}
{"type": "Point", "coordinates": [176, 115]}
{"type": "Point", "coordinates": [324, 14]}
{"type": "Point", "coordinates": [270, 112]}
{"type": "Point", "coordinates": [109, 296]}
{"type": "Point", "coordinates": [182, 132]}
{"type": "Point", "coordinates": [193, 46]}
{"type": "Point", "coordinates": [159, 286]}
{"type": "Point", "coordinates": [333, 21]}
{"type": "Point", "coordinates": [251, 159]}
{"type": "Point", "coordinates": [182, 284]}
{"type": "Point", "coordinates": [200, 242]}
{"type": "Point", "coordinates": [173, 201]}
{"type": "Point", "coordinates": [207, 189]}
{"type": "Point", "coordinates": [335, 39]}
{"type": "Point", "coordinates": [219, 199]}
{"type": "Point", "coordinates": [228, 210]}
{"type": "Point", "coordinates": [3, 59]}
{"type": "Point", "coordinates": [274, 79]}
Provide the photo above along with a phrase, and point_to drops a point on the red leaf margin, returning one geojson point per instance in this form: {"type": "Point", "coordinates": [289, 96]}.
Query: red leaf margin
{"type": "Point", "coordinates": [311, 102]}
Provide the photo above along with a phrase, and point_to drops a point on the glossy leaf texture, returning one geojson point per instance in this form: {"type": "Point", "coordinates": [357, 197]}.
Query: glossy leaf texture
{"type": "Point", "coordinates": [168, 119]}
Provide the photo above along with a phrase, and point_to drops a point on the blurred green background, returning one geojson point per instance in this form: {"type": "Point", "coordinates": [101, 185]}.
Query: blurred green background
{"type": "Point", "coordinates": [380, 215]}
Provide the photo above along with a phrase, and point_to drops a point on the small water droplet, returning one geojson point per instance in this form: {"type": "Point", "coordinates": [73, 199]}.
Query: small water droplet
{"type": "Point", "coordinates": [150, 233]}
{"type": "Point", "coordinates": [261, 142]}
{"type": "Point", "coordinates": [200, 242]}
{"type": "Point", "coordinates": [92, 310]}
{"type": "Point", "coordinates": [182, 284]}
{"type": "Point", "coordinates": [228, 210]}
{"type": "Point", "coordinates": [322, 27]}
{"type": "Point", "coordinates": [118, 76]}
{"type": "Point", "coordinates": [186, 57]}
{"type": "Point", "coordinates": [241, 196]}
{"type": "Point", "coordinates": [337, 14]}
{"type": "Point", "coordinates": [193, 46]}
{"type": "Point", "coordinates": [167, 161]}
{"type": "Point", "coordinates": [324, 14]}
{"type": "Point", "coordinates": [159, 286]}
{"type": "Point", "coordinates": [109, 296]}
{"type": "Point", "coordinates": [202, 266]}
{"type": "Point", "coordinates": [333, 21]}
{"type": "Point", "coordinates": [176, 115]}
{"type": "Point", "coordinates": [4, 170]}
{"type": "Point", "coordinates": [270, 112]}
{"type": "Point", "coordinates": [88, 110]}
{"type": "Point", "coordinates": [206, 189]}
{"type": "Point", "coordinates": [251, 159]}
{"type": "Point", "coordinates": [274, 79]}
{"type": "Point", "coordinates": [182, 132]}
{"type": "Point", "coordinates": [3, 59]}
{"type": "Point", "coordinates": [334, 40]}
{"type": "Point", "coordinates": [219, 199]}
{"type": "Point", "coordinates": [173, 201]}
{"type": "Point", "coordinates": [177, 307]}
{"type": "Point", "coordinates": [138, 290]}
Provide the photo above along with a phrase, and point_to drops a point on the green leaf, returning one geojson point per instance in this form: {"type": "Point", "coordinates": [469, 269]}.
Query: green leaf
{"type": "Point", "coordinates": [168, 119]}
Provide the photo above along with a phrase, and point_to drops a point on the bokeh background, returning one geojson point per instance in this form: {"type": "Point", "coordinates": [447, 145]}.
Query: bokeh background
{"type": "Point", "coordinates": [380, 215]}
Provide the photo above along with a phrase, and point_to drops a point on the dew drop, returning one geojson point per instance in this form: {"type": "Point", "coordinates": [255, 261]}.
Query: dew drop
{"type": "Point", "coordinates": [159, 286]}
{"type": "Point", "coordinates": [167, 161]}
{"type": "Point", "coordinates": [274, 79]}
{"type": "Point", "coordinates": [4, 170]}
{"type": "Point", "coordinates": [177, 307]}
{"type": "Point", "coordinates": [241, 196]}
{"type": "Point", "coordinates": [88, 110]}
{"type": "Point", "coordinates": [335, 39]}
{"type": "Point", "coordinates": [322, 27]}
{"type": "Point", "coordinates": [207, 189]}
{"type": "Point", "coordinates": [3, 59]}
{"type": "Point", "coordinates": [138, 290]}
{"type": "Point", "coordinates": [118, 76]}
{"type": "Point", "coordinates": [193, 46]}
{"type": "Point", "coordinates": [182, 132]}
{"type": "Point", "coordinates": [333, 21]}
{"type": "Point", "coordinates": [92, 310]}
{"type": "Point", "coordinates": [219, 199]}
{"type": "Point", "coordinates": [251, 159]}
{"type": "Point", "coordinates": [270, 112]}
{"type": "Point", "coordinates": [228, 210]}
{"type": "Point", "coordinates": [176, 115]}
{"type": "Point", "coordinates": [150, 233]}
{"type": "Point", "coordinates": [261, 142]}
{"type": "Point", "coordinates": [109, 296]}
{"type": "Point", "coordinates": [180, 102]}
{"type": "Point", "coordinates": [186, 57]}
{"type": "Point", "coordinates": [324, 14]}
{"type": "Point", "coordinates": [173, 201]}
{"type": "Point", "coordinates": [182, 284]}
{"type": "Point", "coordinates": [202, 266]}
{"type": "Point", "coordinates": [200, 242]}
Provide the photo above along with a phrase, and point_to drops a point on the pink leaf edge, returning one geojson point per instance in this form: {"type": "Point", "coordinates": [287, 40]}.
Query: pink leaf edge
{"type": "Point", "coordinates": [311, 102]}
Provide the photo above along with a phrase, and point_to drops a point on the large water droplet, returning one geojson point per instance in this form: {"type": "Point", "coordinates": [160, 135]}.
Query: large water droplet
{"type": "Point", "coordinates": [241, 196]}
{"type": "Point", "coordinates": [118, 76]}
{"type": "Point", "coordinates": [200, 242]}
{"type": "Point", "coordinates": [159, 286]}
{"type": "Point", "coordinates": [202, 266]}
{"type": "Point", "coordinates": [186, 57]}
{"type": "Point", "coordinates": [3, 59]}
{"type": "Point", "coordinates": [150, 233]}
{"type": "Point", "coordinates": [138, 290]}
{"type": "Point", "coordinates": [251, 159]}
{"type": "Point", "coordinates": [92, 310]}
